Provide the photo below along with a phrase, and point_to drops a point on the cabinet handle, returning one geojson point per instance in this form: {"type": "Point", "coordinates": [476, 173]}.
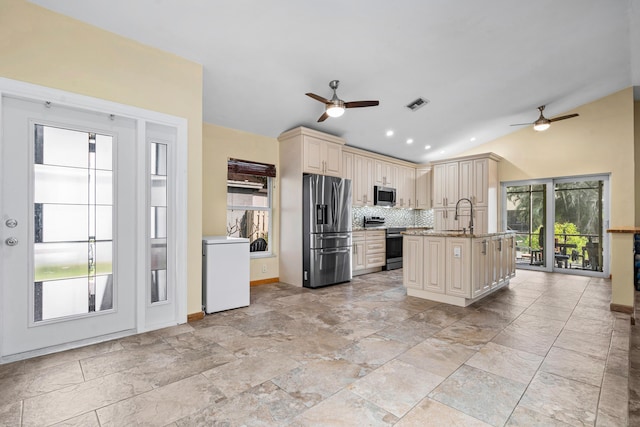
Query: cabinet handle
{"type": "Point", "coordinates": [500, 245]}
{"type": "Point", "coordinates": [484, 247]}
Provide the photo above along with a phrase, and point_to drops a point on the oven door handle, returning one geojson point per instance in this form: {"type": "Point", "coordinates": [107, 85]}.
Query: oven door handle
{"type": "Point", "coordinates": [394, 235]}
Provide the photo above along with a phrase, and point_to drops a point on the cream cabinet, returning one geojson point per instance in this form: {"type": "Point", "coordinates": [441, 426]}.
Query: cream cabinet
{"type": "Point", "coordinates": [358, 251]}
{"type": "Point", "coordinates": [423, 188]}
{"type": "Point", "coordinates": [474, 178]}
{"type": "Point", "coordinates": [434, 277]}
{"type": "Point", "coordinates": [362, 185]}
{"type": "Point", "coordinates": [375, 248]}
{"type": "Point", "coordinates": [347, 166]}
{"type": "Point", "coordinates": [456, 269]}
{"type": "Point", "coordinates": [418, 252]}
{"type": "Point", "coordinates": [406, 188]}
{"type": "Point", "coordinates": [385, 173]}
{"type": "Point", "coordinates": [368, 251]}
{"type": "Point", "coordinates": [301, 150]}
{"type": "Point", "coordinates": [321, 157]}
{"type": "Point", "coordinates": [444, 219]}
{"type": "Point", "coordinates": [481, 264]}
{"type": "Point", "coordinates": [412, 255]}
{"type": "Point", "coordinates": [445, 185]}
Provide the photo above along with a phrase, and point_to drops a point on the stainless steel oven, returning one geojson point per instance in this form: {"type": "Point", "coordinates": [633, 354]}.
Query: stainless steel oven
{"type": "Point", "coordinates": [394, 247]}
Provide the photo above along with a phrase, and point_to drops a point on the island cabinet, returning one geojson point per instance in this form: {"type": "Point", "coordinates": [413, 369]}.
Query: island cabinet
{"type": "Point", "coordinates": [454, 268]}
{"type": "Point", "coordinates": [474, 178]}
{"type": "Point", "coordinates": [368, 253]}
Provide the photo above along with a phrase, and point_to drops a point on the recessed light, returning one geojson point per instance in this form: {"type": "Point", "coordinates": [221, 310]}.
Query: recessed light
{"type": "Point", "coordinates": [441, 151]}
{"type": "Point", "coordinates": [389, 132]}
{"type": "Point", "coordinates": [410, 141]}
{"type": "Point", "coordinates": [473, 138]}
{"type": "Point", "coordinates": [427, 147]}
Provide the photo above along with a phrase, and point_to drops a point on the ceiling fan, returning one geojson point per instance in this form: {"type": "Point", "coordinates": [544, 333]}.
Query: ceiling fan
{"type": "Point", "coordinates": [335, 106]}
{"type": "Point", "coordinates": [543, 123]}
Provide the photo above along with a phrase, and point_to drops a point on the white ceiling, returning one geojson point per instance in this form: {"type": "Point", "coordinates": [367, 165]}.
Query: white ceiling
{"type": "Point", "coordinates": [482, 64]}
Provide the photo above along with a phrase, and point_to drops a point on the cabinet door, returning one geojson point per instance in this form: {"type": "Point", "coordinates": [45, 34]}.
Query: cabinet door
{"type": "Point", "coordinates": [496, 255]}
{"type": "Point", "coordinates": [458, 270]}
{"type": "Point", "coordinates": [444, 219]}
{"type": "Point", "coordinates": [367, 181]}
{"type": "Point", "coordinates": [511, 269]}
{"type": "Point", "coordinates": [439, 185]}
{"type": "Point", "coordinates": [451, 195]}
{"type": "Point", "coordinates": [312, 150]}
{"type": "Point", "coordinates": [379, 171]}
{"type": "Point", "coordinates": [434, 270]}
{"type": "Point", "coordinates": [357, 185]}
{"type": "Point", "coordinates": [480, 266]}
{"type": "Point", "coordinates": [358, 256]}
{"type": "Point", "coordinates": [423, 189]}
{"type": "Point", "coordinates": [410, 187]}
{"type": "Point", "coordinates": [401, 197]}
{"type": "Point", "coordinates": [480, 221]}
{"type": "Point", "coordinates": [412, 253]}
{"type": "Point", "coordinates": [466, 183]}
{"type": "Point", "coordinates": [480, 189]}
{"type": "Point", "coordinates": [347, 167]}
{"type": "Point", "coordinates": [332, 159]}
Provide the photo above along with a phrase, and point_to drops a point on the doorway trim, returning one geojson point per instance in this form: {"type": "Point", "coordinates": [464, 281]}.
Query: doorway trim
{"type": "Point", "coordinates": [144, 120]}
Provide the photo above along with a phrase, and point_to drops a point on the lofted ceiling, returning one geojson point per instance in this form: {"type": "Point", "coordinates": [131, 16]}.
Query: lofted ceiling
{"type": "Point", "coordinates": [482, 64]}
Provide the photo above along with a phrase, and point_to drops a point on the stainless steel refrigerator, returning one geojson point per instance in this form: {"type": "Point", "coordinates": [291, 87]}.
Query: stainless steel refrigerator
{"type": "Point", "coordinates": [326, 230]}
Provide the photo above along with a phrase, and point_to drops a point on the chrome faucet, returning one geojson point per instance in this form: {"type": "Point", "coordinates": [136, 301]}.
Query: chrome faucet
{"type": "Point", "coordinates": [470, 215]}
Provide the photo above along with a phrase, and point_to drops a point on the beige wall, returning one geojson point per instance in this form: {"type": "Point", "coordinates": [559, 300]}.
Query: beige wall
{"type": "Point", "coordinates": [48, 49]}
{"type": "Point", "coordinates": [218, 145]}
{"type": "Point", "coordinates": [601, 140]}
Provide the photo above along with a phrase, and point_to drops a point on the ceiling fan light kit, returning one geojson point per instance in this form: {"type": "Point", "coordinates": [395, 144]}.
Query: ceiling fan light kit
{"type": "Point", "coordinates": [543, 123]}
{"type": "Point", "coordinates": [335, 106]}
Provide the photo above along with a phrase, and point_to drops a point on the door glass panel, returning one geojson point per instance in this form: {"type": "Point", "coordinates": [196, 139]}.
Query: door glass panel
{"type": "Point", "coordinates": [73, 223]}
{"type": "Point", "coordinates": [55, 184]}
{"type": "Point", "coordinates": [526, 215]}
{"type": "Point", "coordinates": [63, 147]}
{"type": "Point", "coordinates": [60, 223]}
{"type": "Point", "coordinates": [578, 225]}
{"type": "Point", "coordinates": [158, 220]}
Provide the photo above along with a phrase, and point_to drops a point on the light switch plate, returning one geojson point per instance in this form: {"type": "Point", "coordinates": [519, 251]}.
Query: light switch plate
{"type": "Point", "coordinates": [456, 252]}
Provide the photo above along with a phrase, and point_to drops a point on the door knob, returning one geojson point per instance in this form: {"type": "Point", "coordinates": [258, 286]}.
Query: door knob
{"type": "Point", "coordinates": [11, 223]}
{"type": "Point", "coordinates": [11, 241]}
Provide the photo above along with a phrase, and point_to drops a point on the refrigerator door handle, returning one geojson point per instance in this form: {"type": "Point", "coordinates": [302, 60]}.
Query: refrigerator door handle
{"type": "Point", "coordinates": [334, 201]}
{"type": "Point", "coordinates": [339, 236]}
{"type": "Point", "coordinates": [334, 251]}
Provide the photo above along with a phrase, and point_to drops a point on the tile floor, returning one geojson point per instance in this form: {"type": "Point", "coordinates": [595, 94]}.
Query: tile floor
{"type": "Point", "coordinates": [545, 351]}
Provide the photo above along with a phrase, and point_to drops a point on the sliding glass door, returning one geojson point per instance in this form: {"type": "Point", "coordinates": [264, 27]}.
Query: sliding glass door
{"type": "Point", "coordinates": [566, 235]}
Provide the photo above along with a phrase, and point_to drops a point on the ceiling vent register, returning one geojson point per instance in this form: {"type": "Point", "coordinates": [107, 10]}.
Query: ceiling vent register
{"type": "Point", "coordinates": [417, 104]}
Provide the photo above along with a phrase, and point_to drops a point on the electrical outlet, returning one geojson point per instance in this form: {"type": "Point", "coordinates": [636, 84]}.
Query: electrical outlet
{"type": "Point", "coordinates": [264, 268]}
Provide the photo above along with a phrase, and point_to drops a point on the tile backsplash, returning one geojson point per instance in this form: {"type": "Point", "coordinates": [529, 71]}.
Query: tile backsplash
{"type": "Point", "coordinates": [393, 217]}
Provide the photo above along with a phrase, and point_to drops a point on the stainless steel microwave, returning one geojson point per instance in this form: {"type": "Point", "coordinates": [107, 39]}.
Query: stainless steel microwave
{"type": "Point", "coordinates": [384, 196]}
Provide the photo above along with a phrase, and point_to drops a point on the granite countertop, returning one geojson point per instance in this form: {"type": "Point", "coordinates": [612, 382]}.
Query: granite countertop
{"type": "Point", "coordinates": [384, 227]}
{"type": "Point", "coordinates": [456, 233]}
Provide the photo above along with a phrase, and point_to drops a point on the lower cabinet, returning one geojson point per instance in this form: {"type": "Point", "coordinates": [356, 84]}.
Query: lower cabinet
{"type": "Point", "coordinates": [368, 250]}
{"type": "Point", "coordinates": [457, 270]}
{"type": "Point", "coordinates": [358, 258]}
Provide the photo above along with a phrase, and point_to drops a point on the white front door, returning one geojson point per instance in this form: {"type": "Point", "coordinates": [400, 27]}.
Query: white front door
{"type": "Point", "coordinates": [68, 205]}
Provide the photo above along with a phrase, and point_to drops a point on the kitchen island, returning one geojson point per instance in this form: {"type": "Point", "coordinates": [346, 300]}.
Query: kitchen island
{"type": "Point", "coordinates": [455, 267]}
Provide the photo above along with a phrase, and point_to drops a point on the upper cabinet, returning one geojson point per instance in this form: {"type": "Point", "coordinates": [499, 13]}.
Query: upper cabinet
{"type": "Point", "coordinates": [423, 188]}
{"type": "Point", "coordinates": [366, 170]}
{"type": "Point", "coordinates": [386, 174]}
{"type": "Point", "coordinates": [474, 178]}
{"type": "Point", "coordinates": [311, 152]}
{"type": "Point", "coordinates": [321, 157]}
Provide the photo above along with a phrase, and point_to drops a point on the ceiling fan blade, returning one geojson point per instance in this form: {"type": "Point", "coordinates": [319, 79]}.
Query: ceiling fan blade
{"type": "Point", "coordinates": [323, 117]}
{"type": "Point", "coordinates": [318, 98]}
{"type": "Point", "coordinates": [563, 117]}
{"type": "Point", "coordinates": [357, 104]}
{"type": "Point", "coordinates": [522, 124]}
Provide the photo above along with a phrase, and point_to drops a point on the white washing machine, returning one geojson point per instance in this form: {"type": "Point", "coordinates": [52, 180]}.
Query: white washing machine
{"type": "Point", "coordinates": [225, 273]}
